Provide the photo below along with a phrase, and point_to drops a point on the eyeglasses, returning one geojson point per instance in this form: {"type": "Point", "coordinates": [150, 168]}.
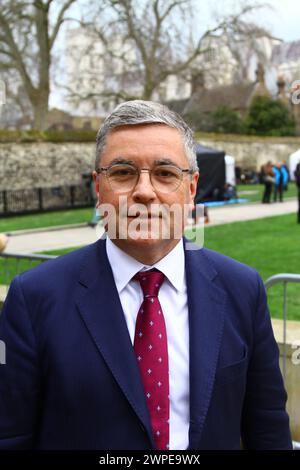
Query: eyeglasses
{"type": "Point", "coordinates": [123, 177]}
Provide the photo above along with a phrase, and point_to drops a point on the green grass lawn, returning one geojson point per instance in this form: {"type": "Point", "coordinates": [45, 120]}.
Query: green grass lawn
{"type": "Point", "coordinates": [256, 191]}
{"type": "Point", "coordinates": [9, 267]}
{"type": "Point", "coordinates": [271, 246]}
{"type": "Point", "coordinates": [60, 252]}
{"type": "Point", "coordinates": [46, 219]}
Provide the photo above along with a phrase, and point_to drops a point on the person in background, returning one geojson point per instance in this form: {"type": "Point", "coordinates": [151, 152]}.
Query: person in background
{"type": "Point", "coordinates": [96, 215]}
{"type": "Point", "coordinates": [268, 180]}
{"type": "Point", "coordinates": [3, 242]}
{"type": "Point", "coordinates": [286, 186]}
{"type": "Point", "coordinates": [229, 192]}
{"type": "Point", "coordinates": [281, 180]}
{"type": "Point", "coordinates": [89, 183]}
{"type": "Point", "coordinates": [297, 176]}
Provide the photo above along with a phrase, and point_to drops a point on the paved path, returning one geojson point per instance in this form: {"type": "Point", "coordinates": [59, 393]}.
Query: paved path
{"type": "Point", "coordinates": [237, 213]}
{"type": "Point", "coordinates": [37, 242]}
{"type": "Point", "coordinates": [47, 240]}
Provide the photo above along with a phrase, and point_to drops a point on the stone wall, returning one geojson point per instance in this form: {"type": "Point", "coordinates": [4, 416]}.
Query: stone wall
{"type": "Point", "coordinates": [37, 165]}
{"type": "Point", "coordinates": [251, 155]}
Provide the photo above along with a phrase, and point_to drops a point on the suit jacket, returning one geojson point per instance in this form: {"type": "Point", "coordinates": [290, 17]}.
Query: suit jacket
{"type": "Point", "coordinates": [71, 379]}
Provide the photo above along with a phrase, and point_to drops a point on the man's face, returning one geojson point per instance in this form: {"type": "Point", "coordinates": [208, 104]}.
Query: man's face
{"type": "Point", "coordinates": [144, 146]}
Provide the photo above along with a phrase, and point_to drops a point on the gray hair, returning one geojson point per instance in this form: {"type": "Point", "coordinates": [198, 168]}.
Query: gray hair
{"type": "Point", "coordinates": [146, 112]}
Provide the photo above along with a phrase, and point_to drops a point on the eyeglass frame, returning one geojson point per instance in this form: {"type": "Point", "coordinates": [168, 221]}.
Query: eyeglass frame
{"type": "Point", "coordinates": [140, 170]}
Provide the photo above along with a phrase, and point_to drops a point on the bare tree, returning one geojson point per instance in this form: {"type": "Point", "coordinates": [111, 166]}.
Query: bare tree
{"type": "Point", "coordinates": [245, 44]}
{"type": "Point", "coordinates": [146, 42]}
{"type": "Point", "coordinates": [28, 31]}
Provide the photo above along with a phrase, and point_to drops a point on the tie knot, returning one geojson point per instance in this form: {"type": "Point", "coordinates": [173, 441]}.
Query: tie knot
{"type": "Point", "coordinates": [150, 282]}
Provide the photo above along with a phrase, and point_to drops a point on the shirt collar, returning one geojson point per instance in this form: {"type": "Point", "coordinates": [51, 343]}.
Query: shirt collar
{"type": "Point", "coordinates": [124, 266]}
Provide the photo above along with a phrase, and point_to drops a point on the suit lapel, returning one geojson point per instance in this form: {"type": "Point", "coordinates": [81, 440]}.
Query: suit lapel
{"type": "Point", "coordinates": [101, 310]}
{"type": "Point", "coordinates": [206, 303]}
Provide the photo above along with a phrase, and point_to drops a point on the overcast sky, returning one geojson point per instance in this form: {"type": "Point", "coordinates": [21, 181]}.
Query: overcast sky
{"type": "Point", "coordinates": [282, 18]}
{"type": "Point", "coordinates": [284, 21]}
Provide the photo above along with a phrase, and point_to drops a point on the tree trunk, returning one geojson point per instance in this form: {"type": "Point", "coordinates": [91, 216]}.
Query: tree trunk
{"type": "Point", "coordinates": [148, 89]}
{"type": "Point", "coordinates": [40, 110]}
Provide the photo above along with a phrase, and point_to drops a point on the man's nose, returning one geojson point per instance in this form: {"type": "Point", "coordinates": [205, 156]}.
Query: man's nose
{"type": "Point", "coordinates": [144, 190]}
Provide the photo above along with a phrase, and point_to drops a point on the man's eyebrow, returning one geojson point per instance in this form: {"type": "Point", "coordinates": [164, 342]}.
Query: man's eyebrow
{"type": "Point", "coordinates": [158, 161]}
{"type": "Point", "coordinates": [164, 161]}
{"type": "Point", "coordinates": [121, 160]}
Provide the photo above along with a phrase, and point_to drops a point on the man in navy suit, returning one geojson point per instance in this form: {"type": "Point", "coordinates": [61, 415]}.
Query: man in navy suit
{"type": "Point", "coordinates": [73, 376]}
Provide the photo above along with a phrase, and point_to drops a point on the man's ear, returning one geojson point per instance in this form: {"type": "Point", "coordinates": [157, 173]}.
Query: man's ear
{"type": "Point", "coordinates": [96, 183]}
{"type": "Point", "coordinates": [193, 184]}
{"type": "Point", "coordinates": [94, 174]}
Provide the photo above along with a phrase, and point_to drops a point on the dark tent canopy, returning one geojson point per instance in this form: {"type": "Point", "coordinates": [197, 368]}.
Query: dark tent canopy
{"type": "Point", "coordinates": [211, 182]}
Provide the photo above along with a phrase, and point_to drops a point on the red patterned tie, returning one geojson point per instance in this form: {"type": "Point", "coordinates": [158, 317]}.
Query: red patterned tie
{"type": "Point", "coordinates": [151, 348]}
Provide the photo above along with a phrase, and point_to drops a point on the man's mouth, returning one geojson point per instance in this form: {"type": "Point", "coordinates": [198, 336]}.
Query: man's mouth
{"type": "Point", "coordinates": [145, 216]}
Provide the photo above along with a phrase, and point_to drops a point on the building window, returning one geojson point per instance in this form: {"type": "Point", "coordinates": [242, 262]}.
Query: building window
{"type": "Point", "coordinates": [210, 55]}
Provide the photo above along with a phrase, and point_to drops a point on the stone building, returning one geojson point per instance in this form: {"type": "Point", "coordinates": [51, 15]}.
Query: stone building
{"type": "Point", "coordinates": [62, 121]}
{"type": "Point", "coordinates": [286, 59]}
{"type": "Point", "coordinates": [204, 101]}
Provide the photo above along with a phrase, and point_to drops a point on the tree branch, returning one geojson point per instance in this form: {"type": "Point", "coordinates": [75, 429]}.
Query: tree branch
{"type": "Point", "coordinates": [15, 53]}
{"type": "Point", "coordinates": [59, 21]}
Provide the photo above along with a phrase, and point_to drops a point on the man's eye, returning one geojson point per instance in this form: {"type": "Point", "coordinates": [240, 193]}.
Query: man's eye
{"type": "Point", "coordinates": [119, 172]}
{"type": "Point", "coordinates": [165, 173]}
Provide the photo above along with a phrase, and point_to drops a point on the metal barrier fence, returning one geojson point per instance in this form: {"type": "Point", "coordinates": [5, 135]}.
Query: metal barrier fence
{"type": "Point", "coordinates": [31, 200]}
{"type": "Point", "coordinates": [284, 279]}
{"type": "Point", "coordinates": [12, 264]}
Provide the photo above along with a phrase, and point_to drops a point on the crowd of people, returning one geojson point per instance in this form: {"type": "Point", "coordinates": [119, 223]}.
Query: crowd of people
{"type": "Point", "coordinates": [275, 179]}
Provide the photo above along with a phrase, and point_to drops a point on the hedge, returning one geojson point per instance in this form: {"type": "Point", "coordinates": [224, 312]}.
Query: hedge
{"type": "Point", "coordinates": [81, 135]}
{"type": "Point", "coordinates": [7, 136]}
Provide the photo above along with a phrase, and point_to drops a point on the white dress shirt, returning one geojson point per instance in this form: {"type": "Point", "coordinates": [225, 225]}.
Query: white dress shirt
{"type": "Point", "coordinates": [173, 299]}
